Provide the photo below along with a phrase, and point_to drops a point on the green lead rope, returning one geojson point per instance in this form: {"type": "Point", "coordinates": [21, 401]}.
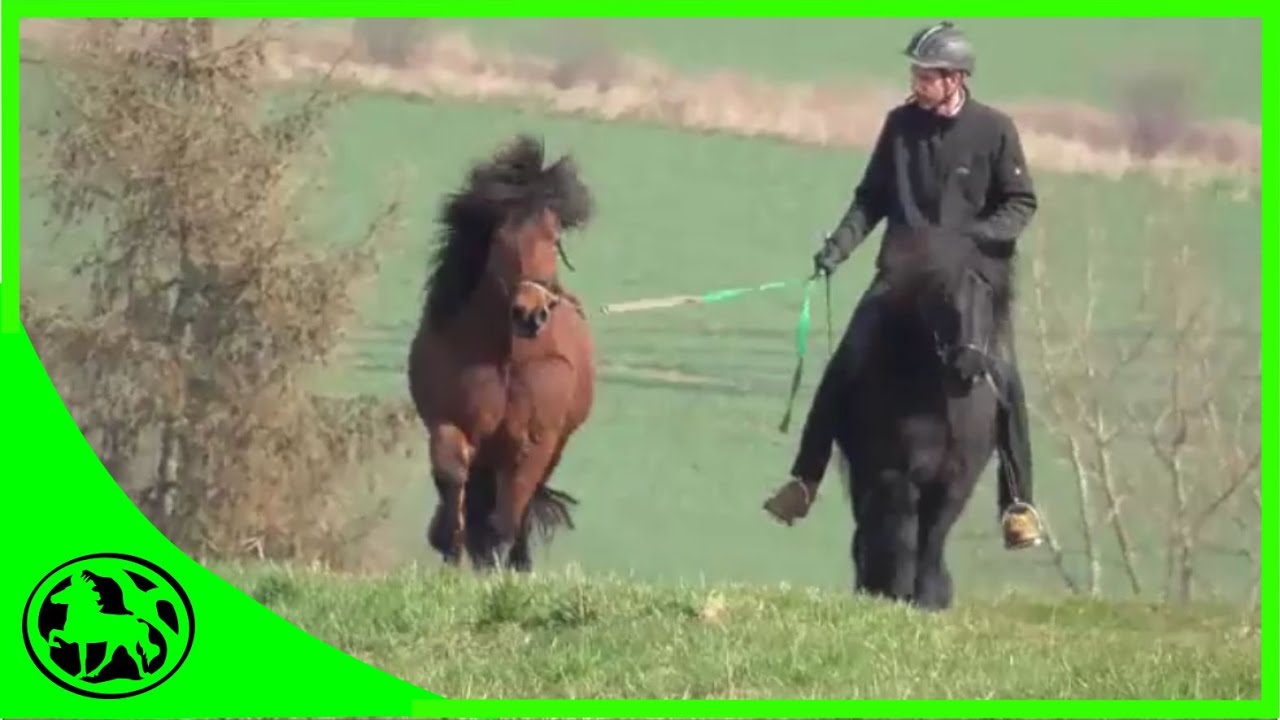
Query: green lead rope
{"type": "Point", "coordinates": [720, 295]}
{"type": "Point", "coordinates": [802, 324]}
{"type": "Point", "coordinates": [802, 346]}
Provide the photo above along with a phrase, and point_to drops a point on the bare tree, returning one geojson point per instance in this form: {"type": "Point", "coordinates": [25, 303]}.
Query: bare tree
{"type": "Point", "coordinates": [1077, 371]}
{"type": "Point", "coordinates": [1165, 381]}
{"type": "Point", "coordinates": [206, 305]}
{"type": "Point", "coordinates": [1201, 431]}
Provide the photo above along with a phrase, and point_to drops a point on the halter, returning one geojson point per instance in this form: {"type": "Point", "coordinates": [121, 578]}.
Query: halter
{"type": "Point", "coordinates": [550, 290]}
{"type": "Point", "coordinates": [547, 288]}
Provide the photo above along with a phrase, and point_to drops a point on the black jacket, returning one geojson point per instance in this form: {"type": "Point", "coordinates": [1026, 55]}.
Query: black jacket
{"type": "Point", "coordinates": [966, 172]}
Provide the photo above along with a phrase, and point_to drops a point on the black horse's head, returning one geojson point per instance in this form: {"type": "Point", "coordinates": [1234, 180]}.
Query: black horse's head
{"type": "Point", "coordinates": [941, 293]}
{"type": "Point", "coordinates": [923, 274]}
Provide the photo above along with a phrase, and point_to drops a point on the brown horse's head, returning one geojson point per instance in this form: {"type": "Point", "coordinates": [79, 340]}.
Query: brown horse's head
{"type": "Point", "coordinates": [523, 259]}
{"type": "Point", "coordinates": [504, 230]}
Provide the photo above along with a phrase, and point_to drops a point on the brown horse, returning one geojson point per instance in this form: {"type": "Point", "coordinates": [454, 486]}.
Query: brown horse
{"type": "Point", "coordinates": [502, 367]}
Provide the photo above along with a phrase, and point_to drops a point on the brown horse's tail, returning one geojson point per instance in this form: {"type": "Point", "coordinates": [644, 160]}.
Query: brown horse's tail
{"type": "Point", "coordinates": [548, 510]}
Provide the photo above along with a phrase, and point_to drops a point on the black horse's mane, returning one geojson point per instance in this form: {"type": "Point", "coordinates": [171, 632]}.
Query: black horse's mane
{"type": "Point", "coordinates": [511, 186]}
{"type": "Point", "coordinates": [936, 261]}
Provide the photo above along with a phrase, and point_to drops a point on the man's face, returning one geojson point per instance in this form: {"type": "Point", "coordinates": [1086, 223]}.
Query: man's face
{"type": "Point", "coordinates": [933, 87]}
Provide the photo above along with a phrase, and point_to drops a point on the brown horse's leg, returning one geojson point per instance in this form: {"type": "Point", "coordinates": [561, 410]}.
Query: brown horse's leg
{"type": "Point", "coordinates": [451, 456]}
{"type": "Point", "coordinates": [519, 558]}
{"type": "Point", "coordinates": [516, 490]}
{"type": "Point", "coordinates": [537, 413]}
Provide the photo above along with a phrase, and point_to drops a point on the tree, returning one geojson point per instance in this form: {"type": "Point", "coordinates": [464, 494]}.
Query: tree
{"type": "Point", "coordinates": [1157, 418]}
{"type": "Point", "coordinates": [206, 306]}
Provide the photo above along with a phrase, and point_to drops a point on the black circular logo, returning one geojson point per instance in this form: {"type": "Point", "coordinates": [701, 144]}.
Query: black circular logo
{"type": "Point", "coordinates": [108, 625]}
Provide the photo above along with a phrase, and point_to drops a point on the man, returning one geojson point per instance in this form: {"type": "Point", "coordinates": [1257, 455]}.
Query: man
{"type": "Point", "coordinates": [942, 159]}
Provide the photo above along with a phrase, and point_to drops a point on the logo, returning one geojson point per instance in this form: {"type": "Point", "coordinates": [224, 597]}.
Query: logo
{"type": "Point", "coordinates": [108, 626]}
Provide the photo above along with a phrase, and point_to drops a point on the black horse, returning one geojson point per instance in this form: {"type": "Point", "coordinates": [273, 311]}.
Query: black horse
{"type": "Point", "coordinates": [917, 433]}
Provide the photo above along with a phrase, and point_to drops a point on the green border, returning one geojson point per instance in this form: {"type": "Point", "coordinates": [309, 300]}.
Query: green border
{"type": "Point", "coordinates": [42, 446]}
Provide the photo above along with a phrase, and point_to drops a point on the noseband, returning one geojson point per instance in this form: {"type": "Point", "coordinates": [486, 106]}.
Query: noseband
{"type": "Point", "coordinates": [549, 289]}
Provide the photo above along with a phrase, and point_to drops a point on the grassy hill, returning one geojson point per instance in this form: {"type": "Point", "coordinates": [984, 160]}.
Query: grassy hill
{"type": "Point", "coordinates": [569, 636]}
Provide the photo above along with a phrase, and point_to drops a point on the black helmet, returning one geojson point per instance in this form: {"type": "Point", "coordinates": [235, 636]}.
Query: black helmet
{"type": "Point", "coordinates": [941, 46]}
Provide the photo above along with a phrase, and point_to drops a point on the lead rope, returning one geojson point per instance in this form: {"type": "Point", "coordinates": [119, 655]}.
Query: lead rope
{"type": "Point", "coordinates": [802, 343]}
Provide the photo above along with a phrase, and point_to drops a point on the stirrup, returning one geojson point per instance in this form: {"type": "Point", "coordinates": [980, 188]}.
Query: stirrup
{"type": "Point", "coordinates": [1029, 514]}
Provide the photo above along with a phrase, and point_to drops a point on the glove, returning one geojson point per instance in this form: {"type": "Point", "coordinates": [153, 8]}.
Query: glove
{"type": "Point", "coordinates": [826, 259]}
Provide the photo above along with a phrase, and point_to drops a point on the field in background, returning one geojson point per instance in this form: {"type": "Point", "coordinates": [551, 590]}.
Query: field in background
{"type": "Point", "coordinates": [684, 441]}
{"type": "Point", "coordinates": [1019, 59]}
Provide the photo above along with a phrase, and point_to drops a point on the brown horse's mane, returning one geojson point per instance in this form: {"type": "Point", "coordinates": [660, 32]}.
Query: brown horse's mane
{"type": "Point", "coordinates": [512, 186]}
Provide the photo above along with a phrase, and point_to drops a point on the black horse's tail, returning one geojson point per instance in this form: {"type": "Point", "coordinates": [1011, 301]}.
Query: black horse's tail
{"type": "Point", "coordinates": [1013, 440]}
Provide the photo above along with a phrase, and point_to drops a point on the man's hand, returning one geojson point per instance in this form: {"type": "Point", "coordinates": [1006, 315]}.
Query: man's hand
{"type": "Point", "coordinates": [826, 259]}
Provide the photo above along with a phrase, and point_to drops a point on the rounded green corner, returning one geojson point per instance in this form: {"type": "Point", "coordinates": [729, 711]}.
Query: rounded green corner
{"type": "Point", "coordinates": [318, 679]}
{"type": "Point", "coordinates": [278, 669]}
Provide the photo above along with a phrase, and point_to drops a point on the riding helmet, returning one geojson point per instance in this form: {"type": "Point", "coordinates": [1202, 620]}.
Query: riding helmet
{"type": "Point", "coordinates": [942, 46]}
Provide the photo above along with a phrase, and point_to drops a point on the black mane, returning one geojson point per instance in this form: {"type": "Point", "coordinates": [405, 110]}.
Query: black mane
{"type": "Point", "coordinates": [935, 261]}
{"type": "Point", "coordinates": [511, 186]}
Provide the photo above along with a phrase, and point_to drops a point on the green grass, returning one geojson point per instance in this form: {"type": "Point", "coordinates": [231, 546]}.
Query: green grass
{"type": "Point", "coordinates": [671, 474]}
{"type": "Point", "coordinates": [1018, 58]}
{"type": "Point", "coordinates": [566, 636]}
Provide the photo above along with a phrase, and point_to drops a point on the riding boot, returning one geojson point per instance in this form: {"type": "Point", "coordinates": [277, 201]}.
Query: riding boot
{"type": "Point", "coordinates": [984, 351]}
{"type": "Point", "coordinates": [793, 500]}
{"type": "Point", "coordinates": [1020, 521]}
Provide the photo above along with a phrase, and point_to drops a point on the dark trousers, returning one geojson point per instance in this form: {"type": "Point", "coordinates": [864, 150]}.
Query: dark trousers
{"type": "Point", "coordinates": [818, 436]}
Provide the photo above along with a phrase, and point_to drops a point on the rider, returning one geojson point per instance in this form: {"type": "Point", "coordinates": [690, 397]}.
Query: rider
{"type": "Point", "coordinates": [942, 158]}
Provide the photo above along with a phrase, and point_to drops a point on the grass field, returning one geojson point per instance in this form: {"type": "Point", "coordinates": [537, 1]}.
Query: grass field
{"type": "Point", "coordinates": [570, 636]}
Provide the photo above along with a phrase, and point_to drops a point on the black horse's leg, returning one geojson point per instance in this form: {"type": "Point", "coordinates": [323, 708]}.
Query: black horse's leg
{"type": "Point", "coordinates": [902, 528]}
{"type": "Point", "coordinates": [884, 545]}
{"type": "Point", "coordinates": [869, 545]}
{"type": "Point", "coordinates": [861, 526]}
{"type": "Point", "coordinates": [940, 507]}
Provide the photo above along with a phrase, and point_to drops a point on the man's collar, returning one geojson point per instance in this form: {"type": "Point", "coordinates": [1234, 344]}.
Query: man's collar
{"type": "Point", "coordinates": [964, 102]}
